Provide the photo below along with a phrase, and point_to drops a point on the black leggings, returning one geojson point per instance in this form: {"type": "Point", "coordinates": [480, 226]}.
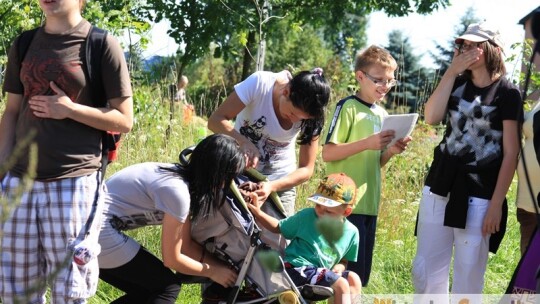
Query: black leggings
{"type": "Point", "coordinates": [144, 279]}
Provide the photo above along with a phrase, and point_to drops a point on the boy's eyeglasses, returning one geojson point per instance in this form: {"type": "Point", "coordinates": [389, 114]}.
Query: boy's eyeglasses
{"type": "Point", "coordinates": [379, 82]}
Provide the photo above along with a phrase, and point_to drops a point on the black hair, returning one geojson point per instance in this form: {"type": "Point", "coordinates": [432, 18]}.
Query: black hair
{"type": "Point", "coordinates": [310, 92]}
{"type": "Point", "coordinates": [211, 167]}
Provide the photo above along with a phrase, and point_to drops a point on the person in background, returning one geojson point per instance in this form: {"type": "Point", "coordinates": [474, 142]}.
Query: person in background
{"type": "Point", "coordinates": [181, 89]}
{"type": "Point", "coordinates": [188, 111]}
{"type": "Point", "coordinates": [526, 212]}
{"type": "Point", "coordinates": [463, 209]}
{"type": "Point", "coordinates": [356, 145]}
{"type": "Point", "coordinates": [313, 257]}
{"type": "Point", "coordinates": [51, 221]}
{"type": "Point", "coordinates": [170, 195]}
{"type": "Point", "coordinates": [271, 110]}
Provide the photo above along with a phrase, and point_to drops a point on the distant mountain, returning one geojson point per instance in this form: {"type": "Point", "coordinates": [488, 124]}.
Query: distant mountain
{"type": "Point", "coordinates": [148, 62]}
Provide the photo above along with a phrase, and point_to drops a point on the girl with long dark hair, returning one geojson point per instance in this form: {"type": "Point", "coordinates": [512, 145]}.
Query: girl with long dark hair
{"type": "Point", "coordinates": [170, 195]}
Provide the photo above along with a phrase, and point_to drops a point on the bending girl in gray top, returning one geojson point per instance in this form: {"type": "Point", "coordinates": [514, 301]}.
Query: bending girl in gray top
{"type": "Point", "coordinates": [169, 195]}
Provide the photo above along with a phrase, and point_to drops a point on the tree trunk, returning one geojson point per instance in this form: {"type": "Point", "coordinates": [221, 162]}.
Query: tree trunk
{"type": "Point", "coordinates": [261, 52]}
{"type": "Point", "coordinates": [248, 59]}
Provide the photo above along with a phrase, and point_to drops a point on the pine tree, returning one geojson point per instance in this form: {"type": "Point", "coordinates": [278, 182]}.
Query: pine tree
{"type": "Point", "coordinates": [411, 75]}
{"type": "Point", "coordinates": [445, 53]}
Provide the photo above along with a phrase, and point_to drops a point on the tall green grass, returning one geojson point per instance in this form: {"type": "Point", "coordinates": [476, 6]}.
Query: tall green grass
{"type": "Point", "coordinates": [403, 179]}
{"type": "Point", "coordinates": [396, 245]}
{"type": "Point", "coordinates": [155, 137]}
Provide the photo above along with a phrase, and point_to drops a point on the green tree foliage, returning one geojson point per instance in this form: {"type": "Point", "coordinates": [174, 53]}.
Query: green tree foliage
{"type": "Point", "coordinates": [411, 75]}
{"type": "Point", "coordinates": [16, 16]}
{"type": "Point", "coordinates": [117, 16]}
{"type": "Point", "coordinates": [197, 23]}
{"type": "Point", "coordinates": [351, 33]}
{"type": "Point", "coordinates": [296, 48]}
{"type": "Point", "coordinates": [533, 86]}
{"type": "Point", "coordinates": [122, 18]}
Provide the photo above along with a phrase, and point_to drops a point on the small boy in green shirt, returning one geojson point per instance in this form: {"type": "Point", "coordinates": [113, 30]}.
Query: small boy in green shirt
{"type": "Point", "coordinates": [356, 146]}
{"type": "Point", "coordinates": [313, 257]}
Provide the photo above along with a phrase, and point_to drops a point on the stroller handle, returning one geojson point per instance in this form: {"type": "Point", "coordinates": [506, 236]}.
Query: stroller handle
{"type": "Point", "coordinates": [183, 156]}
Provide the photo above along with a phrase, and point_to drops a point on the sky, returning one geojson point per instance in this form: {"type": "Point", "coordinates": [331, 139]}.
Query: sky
{"type": "Point", "coordinates": [424, 31]}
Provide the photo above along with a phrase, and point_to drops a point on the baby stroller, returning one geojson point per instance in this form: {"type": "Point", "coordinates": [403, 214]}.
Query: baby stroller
{"type": "Point", "coordinates": [232, 235]}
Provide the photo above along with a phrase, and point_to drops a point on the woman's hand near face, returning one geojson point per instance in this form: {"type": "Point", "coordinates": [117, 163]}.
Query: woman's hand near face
{"type": "Point", "coordinates": [462, 61]}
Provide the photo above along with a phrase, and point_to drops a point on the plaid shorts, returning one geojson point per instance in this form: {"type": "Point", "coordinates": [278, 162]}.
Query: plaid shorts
{"type": "Point", "coordinates": [43, 231]}
{"type": "Point", "coordinates": [312, 275]}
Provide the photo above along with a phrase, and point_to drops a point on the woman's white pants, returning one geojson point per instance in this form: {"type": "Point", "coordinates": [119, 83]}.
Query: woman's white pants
{"type": "Point", "coordinates": [437, 243]}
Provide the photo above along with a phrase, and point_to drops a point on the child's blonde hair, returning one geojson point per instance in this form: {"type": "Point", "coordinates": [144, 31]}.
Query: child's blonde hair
{"type": "Point", "coordinates": [183, 82]}
{"type": "Point", "coordinates": [374, 55]}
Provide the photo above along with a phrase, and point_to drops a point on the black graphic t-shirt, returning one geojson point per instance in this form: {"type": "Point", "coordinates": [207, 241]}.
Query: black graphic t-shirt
{"type": "Point", "coordinates": [474, 133]}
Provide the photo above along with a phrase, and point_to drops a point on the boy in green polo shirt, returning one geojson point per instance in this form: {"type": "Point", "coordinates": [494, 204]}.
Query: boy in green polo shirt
{"type": "Point", "coordinates": [356, 146]}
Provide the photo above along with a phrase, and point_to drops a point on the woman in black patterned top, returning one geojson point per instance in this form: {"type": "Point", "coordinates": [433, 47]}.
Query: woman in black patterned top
{"type": "Point", "coordinates": [463, 208]}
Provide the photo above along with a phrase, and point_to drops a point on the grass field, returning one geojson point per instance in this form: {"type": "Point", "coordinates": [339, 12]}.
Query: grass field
{"type": "Point", "coordinates": [157, 138]}
{"type": "Point", "coordinates": [395, 246]}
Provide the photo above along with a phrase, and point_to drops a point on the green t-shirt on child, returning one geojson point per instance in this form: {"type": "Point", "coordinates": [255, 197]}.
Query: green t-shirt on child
{"type": "Point", "coordinates": [308, 247]}
{"type": "Point", "coordinates": [353, 120]}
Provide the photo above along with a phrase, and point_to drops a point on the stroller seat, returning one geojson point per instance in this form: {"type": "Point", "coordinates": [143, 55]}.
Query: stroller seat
{"type": "Point", "coordinates": [232, 235]}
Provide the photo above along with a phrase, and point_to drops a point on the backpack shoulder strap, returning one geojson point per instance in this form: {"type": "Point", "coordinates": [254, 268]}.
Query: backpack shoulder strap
{"type": "Point", "coordinates": [95, 44]}
{"type": "Point", "coordinates": [23, 43]}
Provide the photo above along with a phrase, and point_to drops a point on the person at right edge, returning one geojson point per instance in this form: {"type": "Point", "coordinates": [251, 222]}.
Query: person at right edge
{"type": "Point", "coordinates": [463, 209]}
{"type": "Point", "coordinates": [525, 213]}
